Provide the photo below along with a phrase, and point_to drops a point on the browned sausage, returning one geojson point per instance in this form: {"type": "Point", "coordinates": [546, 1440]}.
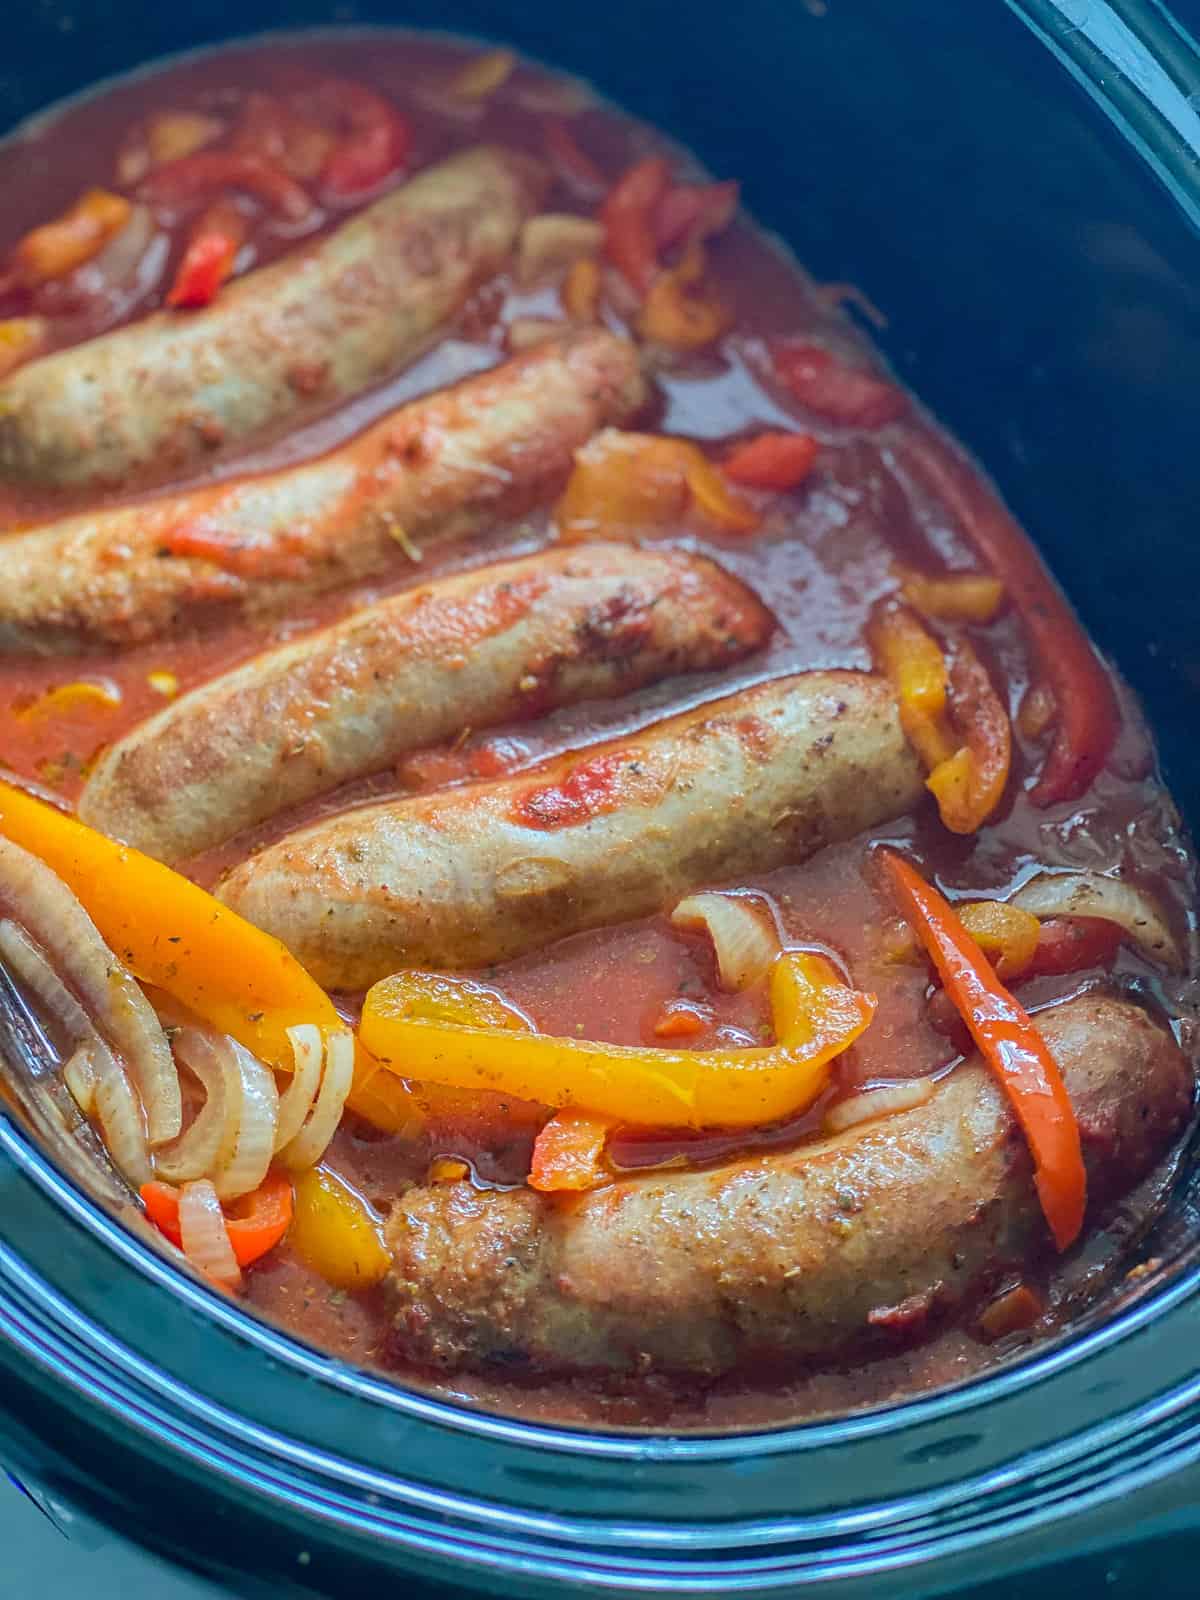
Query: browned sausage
{"type": "Point", "coordinates": [157, 397]}
{"type": "Point", "coordinates": [814, 1254]}
{"type": "Point", "coordinates": [443, 466]}
{"type": "Point", "coordinates": [508, 642]}
{"type": "Point", "coordinates": [741, 785]}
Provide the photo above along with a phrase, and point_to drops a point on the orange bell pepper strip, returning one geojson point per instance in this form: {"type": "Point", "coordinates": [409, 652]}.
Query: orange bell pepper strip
{"type": "Point", "coordinates": [816, 1017]}
{"type": "Point", "coordinates": [173, 934]}
{"type": "Point", "coordinates": [334, 1232]}
{"type": "Point", "coordinates": [953, 596]}
{"type": "Point", "coordinates": [970, 784]}
{"type": "Point", "coordinates": [568, 1154]}
{"type": "Point", "coordinates": [58, 247]}
{"type": "Point", "coordinates": [256, 1223]}
{"type": "Point", "coordinates": [680, 312]}
{"type": "Point", "coordinates": [630, 218]}
{"type": "Point", "coordinates": [211, 173]}
{"type": "Point", "coordinates": [911, 658]}
{"type": "Point", "coordinates": [1007, 935]}
{"type": "Point", "coordinates": [1008, 1040]}
{"type": "Point", "coordinates": [209, 258]}
{"type": "Point", "coordinates": [624, 483]}
{"type": "Point", "coordinates": [1086, 712]}
{"type": "Point", "coordinates": [21, 339]}
{"type": "Point", "coordinates": [779, 461]}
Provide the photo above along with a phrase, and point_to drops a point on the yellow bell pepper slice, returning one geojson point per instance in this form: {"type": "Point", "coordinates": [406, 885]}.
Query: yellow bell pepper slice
{"type": "Point", "coordinates": [816, 1017]}
{"type": "Point", "coordinates": [171, 933]}
{"type": "Point", "coordinates": [335, 1234]}
{"type": "Point", "coordinates": [624, 484]}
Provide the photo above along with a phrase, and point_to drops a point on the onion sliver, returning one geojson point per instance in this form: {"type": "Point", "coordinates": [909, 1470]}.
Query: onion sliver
{"type": "Point", "coordinates": [553, 241]}
{"type": "Point", "coordinates": [1092, 894]}
{"type": "Point", "coordinates": [79, 1075]}
{"type": "Point", "coordinates": [29, 963]}
{"type": "Point", "coordinates": [309, 1050]}
{"type": "Point", "coordinates": [872, 1104]}
{"type": "Point", "coordinates": [744, 944]}
{"type": "Point", "coordinates": [119, 1114]}
{"type": "Point", "coordinates": [210, 1140]}
{"type": "Point", "coordinates": [109, 994]}
{"type": "Point", "coordinates": [247, 1166]}
{"type": "Point", "coordinates": [310, 1144]}
{"type": "Point", "coordinates": [205, 1237]}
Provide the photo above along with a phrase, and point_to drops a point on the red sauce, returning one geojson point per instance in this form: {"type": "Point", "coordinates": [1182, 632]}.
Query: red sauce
{"type": "Point", "coordinates": [824, 556]}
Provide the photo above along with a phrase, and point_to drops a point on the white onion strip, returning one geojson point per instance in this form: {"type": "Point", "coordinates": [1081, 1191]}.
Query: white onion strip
{"type": "Point", "coordinates": [744, 945]}
{"type": "Point", "coordinates": [119, 1113]}
{"type": "Point", "coordinates": [1093, 894]}
{"type": "Point", "coordinates": [209, 1141]}
{"type": "Point", "coordinates": [310, 1144]}
{"type": "Point", "coordinates": [296, 1102]}
{"type": "Point", "coordinates": [110, 995]}
{"type": "Point", "coordinates": [79, 1075]}
{"type": "Point", "coordinates": [205, 1237]}
{"type": "Point", "coordinates": [247, 1166]}
{"type": "Point", "coordinates": [871, 1104]}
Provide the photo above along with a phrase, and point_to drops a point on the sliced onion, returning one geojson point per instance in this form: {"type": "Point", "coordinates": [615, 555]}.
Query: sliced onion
{"type": "Point", "coordinates": [308, 1048]}
{"type": "Point", "coordinates": [205, 1237]}
{"type": "Point", "coordinates": [553, 241]}
{"type": "Point", "coordinates": [247, 1166]}
{"type": "Point", "coordinates": [108, 993]}
{"type": "Point", "coordinates": [1093, 894]}
{"type": "Point", "coordinates": [28, 962]}
{"type": "Point", "coordinates": [79, 1075]}
{"type": "Point", "coordinates": [209, 1142]}
{"type": "Point", "coordinates": [871, 1104]}
{"type": "Point", "coordinates": [310, 1144]}
{"type": "Point", "coordinates": [119, 1114]}
{"type": "Point", "coordinates": [526, 333]}
{"type": "Point", "coordinates": [744, 945]}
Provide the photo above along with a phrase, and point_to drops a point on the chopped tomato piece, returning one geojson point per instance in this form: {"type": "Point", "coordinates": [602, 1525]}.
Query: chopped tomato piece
{"type": "Point", "coordinates": [211, 173]}
{"type": "Point", "coordinates": [695, 211]}
{"type": "Point", "coordinates": [844, 395]}
{"type": "Point", "coordinates": [772, 461]}
{"type": "Point", "coordinates": [208, 261]}
{"type": "Point", "coordinates": [629, 215]}
{"type": "Point", "coordinates": [682, 1019]}
{"type": "Point", "coordinates": [1009, 1041]}
{"type": "Point", "coordinates": [58, 247]}
{"type": "Point", "coordinates": [681, 312]}
{"type": "Point", "coordinates": [569, 1152]}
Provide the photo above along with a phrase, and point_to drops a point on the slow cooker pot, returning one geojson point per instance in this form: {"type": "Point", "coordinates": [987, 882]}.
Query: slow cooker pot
{"type": "Point", "coordinates": [1016, 186]}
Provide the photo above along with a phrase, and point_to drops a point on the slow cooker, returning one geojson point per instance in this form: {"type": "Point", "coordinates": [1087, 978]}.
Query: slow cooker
{"type": "Point", "coordinates": [1016, 183]}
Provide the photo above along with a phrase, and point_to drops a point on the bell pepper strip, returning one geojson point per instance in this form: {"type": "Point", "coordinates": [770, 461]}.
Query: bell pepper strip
{"type": "Point", "coordinates": [21, 338]}
{"type": "Point", "coordinates": [273, 130]}
{"type": "Point", "coordinates": [69, 698]}
{"type": "Point", "coordinates": [912, 660]}
{"type": "Point", "coordinates": [847, 396]}
{"type": "Point", "coordinates": [1073, 944]}
{"type": "Point", "coordinates": [630, 218]}
{"type": "Point", "coordinates": [57, 248]}
{"type": "Point", "coordinates": [680, 311]}
{"type": "Point", "coordinates": [334, 1232]}
{"type": "Point", "coordinates": [580, 290]}
{"type": "Point", "coordinates": [952, 596]}
{"type": "Point", "coordinates": [816, 1017]}
{"type": "Point", "coordinates": [376, 142]}
{"type": "Point", "coordinates": [209, 258]}
{"type": "Point", "coordinates": [175, 935]}
{"type": "Point", "coordinates": [211, 173]}
{"type": "Point", "coordinates": [1087, 716]}
{"type": "Point", "coordinates": [1007, 935]}
{"type": "Point", "coordinates": [256, 1223]}
{"type": "Point", "coordinates": [625, 483]}
{"type": "Point", "coordinates": [570, 160]}
{"type": "Point", "coordinates": [165, 136]}
{"type": "Point", "coordinates": [568, 1154]}
{"type": "Point", "coordinates": [970, 784]}
{"type": "Point", "coordinates": [780, 461]}
{"type": "Point", "coordinates": [484, 75]}
{"type": "Point", "coordinates": [1009, 1042]}
{"type": "Point", "coordinates": [693, 212]}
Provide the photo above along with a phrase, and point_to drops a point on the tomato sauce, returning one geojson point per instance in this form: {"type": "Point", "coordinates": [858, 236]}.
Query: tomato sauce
{"type": "Point", "coordinates": [823, 558]}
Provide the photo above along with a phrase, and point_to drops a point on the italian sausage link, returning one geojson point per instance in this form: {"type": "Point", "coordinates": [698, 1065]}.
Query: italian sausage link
{"type": "Point", "coordinates": [444, 466]}
{"type": "Point", "coordinates": [157, 398]}
{"type": "Point", "coordinates": [812, 1255]}
{"type": "Point", "coordinates": [484, 872]}
{"type": "Point", "coordinates": [512, 641]}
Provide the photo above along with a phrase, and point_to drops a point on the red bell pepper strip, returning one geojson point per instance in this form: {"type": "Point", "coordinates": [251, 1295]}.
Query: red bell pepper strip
{"type": "Point", "coordinates": [693, 212]}
{"type": "Point", "coordinates": [630, 218]}
{"type": "Point", "coordinates": [376, 142]}
{"type": "Point", "coordinates": [255, 1224]}
{"type": "Point", "coordinates": [848, 396]}
{"type": "Point", "coordinates": [1088, 719]}
{"type": "Point", "coordinates": [213, 172]}
{"type": "Point", "coordinates": [570, 159]}
{"type": "Point", "coordinates": [772, 461]}
{"type": "Point", "coordinates": [1008, 1039]}
{"type": "Point", "coordinates": [209, 258]}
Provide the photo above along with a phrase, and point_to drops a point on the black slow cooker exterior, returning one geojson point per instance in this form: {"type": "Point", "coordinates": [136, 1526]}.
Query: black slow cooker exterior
{"type": "Point", "coordinates": [1016, 185]}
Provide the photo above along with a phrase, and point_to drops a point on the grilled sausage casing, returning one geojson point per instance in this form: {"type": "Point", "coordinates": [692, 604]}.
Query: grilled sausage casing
{"type": "Point", "coordinates": [508, 642]}
{"type": "Point", "coordinates": [741, 785]}
{"type": "Point", "coordinates": [317, 327]}
{"type": "Point", "coordinates": [808, 1255]}
{"type": "Point", "coordinates": [440, 467]}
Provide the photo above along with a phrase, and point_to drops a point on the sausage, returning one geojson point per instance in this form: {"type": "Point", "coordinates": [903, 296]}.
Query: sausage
{"type": "Point", "coordinates": [463, 879]}
{"type": "Point", "coordinates": [509, 642]}
{"type": "Point", "coordinates": [488, 449]}
{"type": "Point", "coordinates": [156, 398]}
{"type": "Point", "coordinates": [820, 1253]}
